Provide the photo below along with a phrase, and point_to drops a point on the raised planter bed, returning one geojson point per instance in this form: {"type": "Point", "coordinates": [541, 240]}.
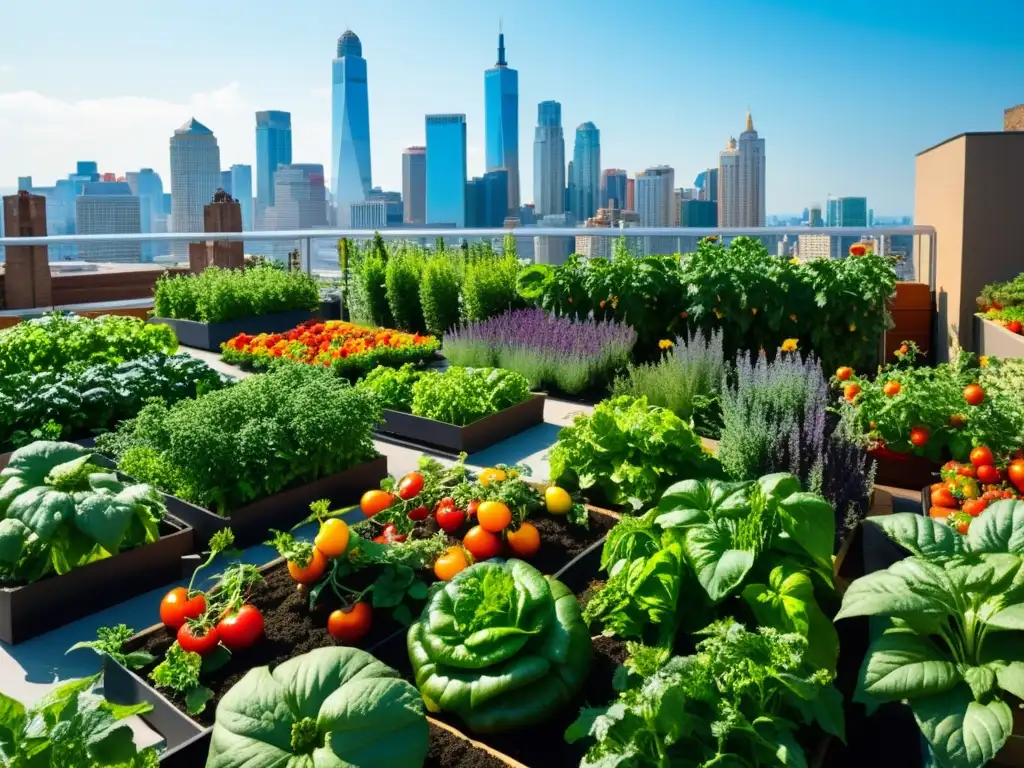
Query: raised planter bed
{"type": "Point", "coordinates": [210, 336]}
{"type": "Point", "coordinates": [449, 439]}
{"type": "Point", "coordinates": [990, 338]}
{"type": "Point", "coordinates": [251, 523]}
{"type": "Point", "coordinates": [86, 442]}
{"type": "Point", "coordinates": [54, 601]}
{"type": "Point", "coordinates": [291, 629]}
{"type": "Point", "coordinates": [901, 470]}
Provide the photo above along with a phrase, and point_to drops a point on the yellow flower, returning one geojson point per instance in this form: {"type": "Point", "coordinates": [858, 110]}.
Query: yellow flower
{"type": "Point", "coordinates": [718, 314]}
{"type": "Point", "coordinates": [790, 345]}
{"type": "Point", "coordinates": [615, 302]}
{"type": "Point", "coordinates": [753, 310]}
{"type": "Point", "coordinates": [666, 344]}
{"type": "Point", "coordinates": [853, 327]}
{"type": "Point", "coordinates": [795, 260]}
{"type": "Point", "coordinates": [983, 360]}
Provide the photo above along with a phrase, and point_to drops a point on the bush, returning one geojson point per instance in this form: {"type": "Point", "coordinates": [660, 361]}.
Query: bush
{"type": "Point", "coordinates": [490, 287]}
{"type": "Point", "coordinates": [218, 295]}
{"type": "Point", "coordinates": [372, 308]}
{"type": "Point", "coordinates": [439, 293]}
{"type": "Point", "coordinates": [403, 274]}
{"type": "Point", "coordinates": [687, 380]}
{"type": "Point", "coordinates": [257, 438]}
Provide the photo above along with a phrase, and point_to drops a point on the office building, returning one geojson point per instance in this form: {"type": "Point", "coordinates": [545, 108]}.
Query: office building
{"type": "Point", "coordinates": [300, 202]}
{"type": "Point", "coordinates": [707, 184]}
{"type": "Point", "coordinates": [350, 128]}
{"type": "Point", "coordinates": [501, 122]}
{"type": "Point", "coordinates": [613, 188]}
{"type": "Point", "coordinates": [147, 185]}
{"type": "Point", "coordinates": [606, 218]}
{"type": "Point", "coordinates": [195, 176]}
{"type": "Point", "coordinates": [487, 200]}
{"type": "Point", "coordinates": [527, 214]}
{"type": "Point", "coordinates": [630, 194]}
{"type": "Point", "coordinates": [832, 212]}
{"type": "Point", "coordinates": [225, 182]}
{"type": "Point", "coordinates": [741, 181]}
{"type": "Point", "coordinates": [108, 208]}
{"type": "Point", "coordinates": [549, 160]}
{"type": "Point", "coordinates": [241, 190]}
{"type": "Point", "coordinates": [446, 170]}
{"type": "Point", "coordinates": [273, 149]}
{"type": "Point", "coordinates": [850, 211]}
{"type": "Point", "coordinates": [655, 201]}
{"type": "Point", "coordinates": [570, 192]}
{"type": "Point", "coordinates": [814, 218]}
{"type": "Point", "coordinates": [369, 214]}
{"type": "Point", "coordinates": [586, 163]}
{"type": "Point", "coordinates": [553, 250]}
{"type": "Point", "coordinates": [698, 213]}
{"type": "Point", "coordinates": [414, 185]}
{"type": "Point", "coordinates": [394, 209]}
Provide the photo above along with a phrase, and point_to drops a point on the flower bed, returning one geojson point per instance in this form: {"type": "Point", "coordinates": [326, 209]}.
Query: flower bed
{"type": "Point", "coordinates": [74, 405]}
{"type": "Point", "coordinates": [63, 342]}
{"type": "Point", "coordinates": [552, 352]}
{"type": "Point", "coordinates": [459, 410]}
{"type": "Point", "coordinates": [347, 348]}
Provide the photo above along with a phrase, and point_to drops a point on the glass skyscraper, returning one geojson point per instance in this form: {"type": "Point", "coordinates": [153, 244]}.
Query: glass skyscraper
{"type": "Point", "coordinates": [195, 176]}
{"type": "Point", "coordinates": [273, 149]}
{"type": "Point", "coordinates": [549, 160]}
{"type": "Point", "coordinates": [501, 122]}
{"type": "Point", "coordinates": [241, 190]}
{"type": "Point", "coordinates": [613, 188]}
{"type": "Point", "coordinates": [586, 170]}
{"type": "Point", "coordinates": [446, 170]}
{"type": "Point", "coordinates": [350, 128]}
{"type": "Point", "coordinates": [487, 200]}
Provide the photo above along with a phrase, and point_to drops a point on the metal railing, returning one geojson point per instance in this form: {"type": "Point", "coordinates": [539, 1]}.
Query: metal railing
{"type": "Point", "coordinates": [923, 250]}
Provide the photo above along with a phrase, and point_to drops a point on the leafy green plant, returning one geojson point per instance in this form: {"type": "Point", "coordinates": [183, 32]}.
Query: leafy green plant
{"type": "Point", "coordinates": [109, 642]}
{"type": "Point", "coordinates": [489, 287]}
{"type": "Point", "coordinates": [627, 449]}
{"type": "Point", "coordinates": [71, 727]}
{"type": "Point", "coordinates": [66, 342]}
{"type": "Point", "coordinates": [264, 434]}
{"type": "Point", "coordinates": [370, 297]}
{"type": "Point", "coordinates": [501, 646]}
{"type": "Point", "coordinates": [59, 511]}
{"type": "Point", "coordinates": [1000, 295]}
{"type": "Point", "coordinates": [81, 404]}
{"type": "Point", "coordinates": [440, 288]}
{"type": "Point", "coordinates": [402, 284]}
{"type": "Point", "coordinates": [392, 386]}
{"type": "Point", "coordinates": [218, 295]}
{"type": "Point", "coordinates": [738, 701]}
{"type": "Point", "coordinates": [461, 396]}
{"type": "Point", "coordinates": [329, 707]}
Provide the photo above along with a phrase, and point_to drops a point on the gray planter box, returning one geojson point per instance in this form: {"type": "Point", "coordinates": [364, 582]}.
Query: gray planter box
{"type": "Point", "coordinates": [210, 336]}
{"type": "Point", "coordinates": [992, 339]}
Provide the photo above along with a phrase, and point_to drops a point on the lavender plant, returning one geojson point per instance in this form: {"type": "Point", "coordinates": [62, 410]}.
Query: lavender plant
{"type": "Point", "coordinates": [844, 475]}
{"type": "Point", "coordinates": [570, 355]}
{"type": "Point", "coordinates": [687, 380]}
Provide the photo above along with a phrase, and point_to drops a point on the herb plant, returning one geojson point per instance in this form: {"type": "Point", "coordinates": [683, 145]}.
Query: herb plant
{"type": "Point", "coordinates": [402, 284]}
{"type": "Point", "coordinates": [218, 295]}
{"type": "Point", "coordinates": [439, 292]}
{"type": "Point", "coordinates": [627, 449]}
{"type": "Point", "coordinates": [261, 436]}
{"type": "Point", "coordinates": [109, 642]}
{"type": "Point", "coordinates": [59, 511]}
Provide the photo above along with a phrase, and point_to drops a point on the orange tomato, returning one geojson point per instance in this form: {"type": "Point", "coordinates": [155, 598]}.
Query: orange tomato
{"type": "Point", "coordinates": [332, 538]}
{"type": "Point", "coordinates": [482, 544]}
{"type": "Point", "coordinates": [312, 572]}
{"type": "Point", "coordinates": [493, 516]}
{"type": "Point", "coordinates": [957, 421]}
{"type": "Point", "coordinates": [1016, 473]}
{"type": "Point", "coordinates": [975, 507]}
{"type": "Point", "coordinates": [850, 392]}
{"type": "Point", "coordinates": [526, 541]}
{"type": "Point", "coordinates": [942, 497]}
{"type": "Point", "coordinates": [919, 436]}
{"type": "Point", "coordinates": [844, 373]}
{"type": "Point", "coordinates": [891, 388]}
{"type": "Point", "coordinates": [974, 394]}
{"type": "Point", "coordinates": [450, 563]}
{"type": "Point", "coordinates": [375, 501]}
{"type": "Point", "coordinates": [350, 624]}
{"type": "Point", "coordinates": [939, 513]}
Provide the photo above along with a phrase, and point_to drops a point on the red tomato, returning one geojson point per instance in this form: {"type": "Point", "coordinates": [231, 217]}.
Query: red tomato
{"type": "Point", "coordinates": [350, 624]}
{"type": "Point", "coordinates": [481, 544]}
{"type": "Point", "coordinates": [966, 470]}
{"type": "Point", "coordinates": [177, 606]}
{"type": "Point", "coordinates": [410, 486]}
{"type": "Point", "coordinates": [1016, 473]}
{"type": "Point", "coordinates": [241, 629]}
{"type": "Point", "coordinates": [982, 456]}
{"type": "Point", "coordinates": [850, 392]}
{"type": "Point", "coordinates": [962, 526]}
{"type": "Point", "coordinates": [420, 513]}
{"type": "Point", "coordinates": [313, 570]}
{"type": "Point", "coordinates": [450, 519]}
{"type": "Point", "coordinates": [891, 388]}
{"type": "Point", "coordinates": [190, 640]}
{"type": "Point", "coordinates": [942, 497]}
{"type": "Point", "coordinates": [988, 475]}
{"type": "Point", "coordinates": [390, 535]}
{"type": "Point", "coordinates": [1014, 326]}
{"type": "Point", "coordinates": [472, 507]}
{"type": "Point", "coordinates": [975, 507]}
{"type": "Point", "coordinates": [974, 394]}
{"type": "Point", "coordinates": [844, 373]}
{"type": "Point", "coordinates": [375, 501]}
{"type": "Point", "coordinates": [919, 436]}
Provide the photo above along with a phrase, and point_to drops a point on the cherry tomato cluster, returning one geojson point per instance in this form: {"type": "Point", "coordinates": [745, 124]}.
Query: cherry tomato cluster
{"type": "Point", "coordinates": [966, 489]}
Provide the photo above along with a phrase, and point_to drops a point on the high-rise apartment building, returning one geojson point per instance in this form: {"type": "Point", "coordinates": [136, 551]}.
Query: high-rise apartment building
{"type": "Point", "coordinates": [707, 184]}
{"type": "Point", "coordinates": [108, 208]}
{"type": "Point", "coordinates": [369, 214]}
{"type": "Point", "coordinates": [147, 185]}
{"type": "Point", "coordinates": [351, 179]}
{"type": "Point", "coordinates": [741, 180]}
{"type": "Point", "coordinates": [570, 193]}
{"type": "Point", "coordinates": [394, 209]}
{"type": "Point", "coordinates": [487, 200]}
{"type": "Point", "coordinates": [631, 194]}
{"type": "Point", "coordinates": [446, 170]}
{"type": "Point", "coordinates": [613, 188]}
{"type": "Point", "coordinates": [273, 149]}
{"type": "Point", "coordinates": [414, 185]}
{"type": "Point", "coordinates": [655, 201]}
{"type": "Point", "coordinates": [814, 218]}
{"type": "Point", "coordinates": [586, 163]}
{"type": "Point", "coordinates": [549, 160]}
{"type": "Point", "coordinates": [501, 122]}
{"type": "Point", "coordinates": [300, 202]}
{"type": "Point", "coordinates": [225, 181]}
{"type": "Point", "coordinates": [698, 213]}
{"type": "Point", "coordinates": [195, 176]}
{"type": "Point", "coordinates": [241, 190]}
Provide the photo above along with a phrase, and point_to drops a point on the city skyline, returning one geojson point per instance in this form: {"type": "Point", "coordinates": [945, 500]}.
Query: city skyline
{"type": "Point", "coordinates": [928, 78]}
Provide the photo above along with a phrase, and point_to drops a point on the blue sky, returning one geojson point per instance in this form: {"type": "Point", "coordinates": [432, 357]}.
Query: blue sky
{"type": "Point", "coordinates": [844, 92]}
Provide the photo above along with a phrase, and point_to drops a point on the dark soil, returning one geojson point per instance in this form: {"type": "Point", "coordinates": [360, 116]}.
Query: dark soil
{"type": "Point", "coordinates": [449, 751]}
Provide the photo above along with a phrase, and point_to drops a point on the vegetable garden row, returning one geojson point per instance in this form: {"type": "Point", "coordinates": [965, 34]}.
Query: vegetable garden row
{"type": "Point", "coordinates": [691, 585]}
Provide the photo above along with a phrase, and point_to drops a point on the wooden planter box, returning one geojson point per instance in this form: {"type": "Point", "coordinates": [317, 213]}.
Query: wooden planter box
{"type": "Point", "coordinates": [87, 442]}
{"type": "Point", "coordinates": [251, 523]}
{"type": "Point", "coordinates": [990, 338]}
{"type": "Point", "coordinates": [417, 431]}
{"type": "Point", "coordinates": [903, 470]}
{"type": "Point", "coordinates": [58, 600]}
{"type": "Point", "coordinates": [210, 336]}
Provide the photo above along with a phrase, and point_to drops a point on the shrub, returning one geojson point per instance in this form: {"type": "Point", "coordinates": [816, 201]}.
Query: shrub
{"type": "Point", "coordinates": [549, 351]}
{"type": "Point", "coordinates": [403, 274]}
{"type": "Point", "coordinates": [490, 287]}
{"type": "Point", "coordinates": [218, 295]}
{"type": "Point", "coordinates": [687, 380]}
{"type": "Point", "coordinates": [372, 307]}
{"type": "Point", "coordinates": [439, 293]}
{"type": "Point", "coordinates": [262, 435]}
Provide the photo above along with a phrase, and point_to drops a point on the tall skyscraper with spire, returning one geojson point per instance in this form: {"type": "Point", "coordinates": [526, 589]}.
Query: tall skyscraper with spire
{"type": "Point", "coordinates": [549, 160]}
{"type": "Point", "coordinates": [501, 122]}
{"type": "Point", "coordinates": [350, 128]}
{"type": "Point", "coordinates": [741, 180]}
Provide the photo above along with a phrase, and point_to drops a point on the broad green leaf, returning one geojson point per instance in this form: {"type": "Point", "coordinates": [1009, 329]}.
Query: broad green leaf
{"type": "Point", "coordinates": [1009, 618]}
{"type": "Point", "coordinates": [900, 665]}
{"type": "Point", "coordinates": [12, 723]}
{"type": "Point", "coordinates": [1010, 677]}
{"type": "Point", "coordinates": [719, 567]}
{"type": "Point", "coordinates": [789, 752]}
{"type": "Point", "coordinates": [1000, 529]}
{"type": "Point", "coordinates": [196, 699]}
{"type": "Point", "coordinates": [961, 731]}
{"type": "Point", "coordinates": [981, 681]}
{"type": "Point", "coordinates": [920, 535]}
{"type": "Point", "coordinates": [779, 485]}
{"type": "Point", "coordinates": [13, 535]}
{"type": "Point", "coordinates": [36, 460]}
{"type": "Point", "coordinates": [42, 510]}
{"type": "Point", "coordinates": [810, 521]}
{"type": "Point", "coordinates": [104, 519]}
{"type": "Point", "coordinates": [911, 586]}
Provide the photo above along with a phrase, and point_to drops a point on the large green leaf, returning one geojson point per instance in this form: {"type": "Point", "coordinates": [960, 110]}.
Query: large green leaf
{"type": "Point", "coordinates": [694, 502]}
{"type": "Point", "coordinates": [42, 510]}
{"type": "Point", "coordinates": [779, 485]}
{"type": "Point", "coordinates": [920, 535]}
{"type": "Point", "coordinates": [36, 460]}
{"type": "Point", "coordinates": [961, 732]}
{"type": "Point", "coordinates": [719, 566]}
{"type": "Point", "coordinates": [1000, 529]}
{"type": "Point", "coordinates": [1010, 677]}
{"type": "Point", "coordinates": [810, 522]}
{"type": "Point", "coordinates": [104, 519]}
{"type": "Point", "coordinates": [13, 535]}
{"type": "Point", "coordinates": [1011, 617]}
{"type": "Point", "coordinates": [911, 586]}
{"type": "Point", "coordinates": [901, 665]}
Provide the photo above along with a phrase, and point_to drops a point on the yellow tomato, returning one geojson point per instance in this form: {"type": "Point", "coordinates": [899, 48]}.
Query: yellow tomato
{"type": "Point", "coordinates": [450, 563]}
{"type": "Point", "coordinates": [492, 475]}
{"type": "Point", "coordinates": [526, 541]}
{"type": "Point", "coordinates": [558, 501]}
{"type": "Point", "coordinates": [333, 537]}
{"type": "Point", "coordinates": [493, 516]}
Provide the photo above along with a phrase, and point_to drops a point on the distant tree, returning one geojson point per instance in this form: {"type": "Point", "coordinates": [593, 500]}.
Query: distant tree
{"type": "Point", "coordinates": [439, 244]}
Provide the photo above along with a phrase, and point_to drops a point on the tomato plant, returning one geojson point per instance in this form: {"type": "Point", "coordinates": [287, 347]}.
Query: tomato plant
{"type": "Point", "coordinates": [351, 624]}
{"type": "Point", "coordinates": [195, 638]}
{"type": "Point", "coordinates": [177, 606]}
{"type": "Point", "coordinates": [376, 501]}
{"type": "Point", "coordinates": [410, 486]}
{"type": "Point", "coordinates": [241, 629]}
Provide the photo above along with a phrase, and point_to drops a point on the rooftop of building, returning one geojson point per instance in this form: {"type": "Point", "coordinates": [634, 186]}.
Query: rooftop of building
{"type": "Point", "coordinates": [349, 44]}
{"type": "Point", "coordinates": [194, 128]}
